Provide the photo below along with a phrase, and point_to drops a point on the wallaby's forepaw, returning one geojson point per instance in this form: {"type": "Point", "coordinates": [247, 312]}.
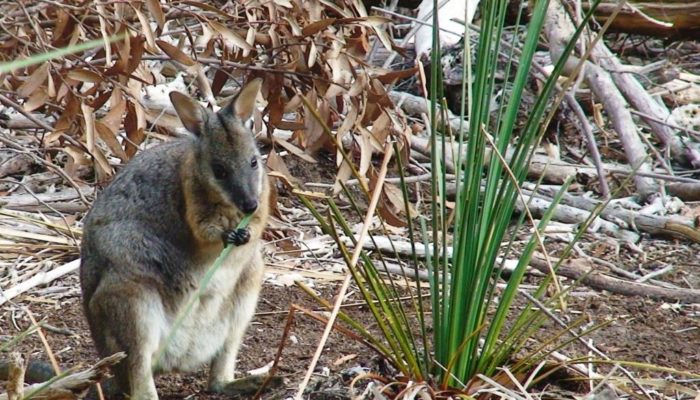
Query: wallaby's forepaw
{"type": "Point", "coordinates": [237, 237]}
{"type": "Point", "coordinates": [247, 386]}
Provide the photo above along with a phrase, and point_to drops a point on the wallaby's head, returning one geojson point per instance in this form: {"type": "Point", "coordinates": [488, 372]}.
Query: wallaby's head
{"type": "Point", "coordinates": [226, 154]}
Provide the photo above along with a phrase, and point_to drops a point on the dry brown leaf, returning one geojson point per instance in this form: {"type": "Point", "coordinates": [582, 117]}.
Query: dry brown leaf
{"type": "Point", "coordinates": [274, 36]}
{"type": "Point", "coordinates": [108, 126]}
{"type": "Point", "coordinates": [391, 204]}
{"type": "Point", "coordinates": [277, 164]}
{"type": "Point", "coordinates": [275, 100]}
{"type": "Point", "coordinates": [317, 26]}
{"type": "Point", "coordinates": [65, 25]}
{"type": "Point", "coordinates": [89, 118]}
{"type": "Point", "coordinates": [314, 135]}
{"type": "Point", "coordinates": [156, 10]}
{"type": "Point", "coordinates": [122, 63]}
{"type": "Point", "coordinates": [36, 100]}
{"type": "Point", "coordinates": [388, 77]}
{"type": "Point", "coordinates": [175, 53]}
{"type": "Point", "coordinates": [136, 44]}
{"type": "Point", "coordinates": [342, 76]}
{"type": "Point", "coordinates": [220, 78]}
{"type": "Point", "coordinates": [231, 38]}
{"type": "Point", "coordinates": [145, 27]}
{"type": "Point", "coordinates": [359, 86]}
{"type": "Point", "coordinates": [76, 159]}
{"type": "Point", "coordinates": [293, 104]}
{"type": "Point", "coordinates": [295, 150]}
{"type": "Point", "coordinates": [209, 7]}
{"type": "Point", "coordinates": [313, 53]}
{"type": "Point", "coordinates": [102, 167]}
{"type": "Point", "coordinates": [364, 142]}
{"type": "Point", "coordinates": [110, 138]}
{"type": "Point", "coordinates": [344, 173]}
{"type": "Point", "coordinates": [250, 39]}
{"type": "Point", "coordinates": [207, 35]}
{"type": "Point", "coordinates": [372, 21]}
{"type": "Point", "coordinates": [133, 126]}
{"type": "Point", "coordinates": [345, 127]}
{"type": "Point", "coordinates": [36, 79]}
{"type": "Point", "coordinates": [381, 130]}
{"type": "Point", "coordinates": [84, 75]}
{"type": "Point", "coordinates": [283, 3]}
{"type": "Point", "coordinates": [296, 29]}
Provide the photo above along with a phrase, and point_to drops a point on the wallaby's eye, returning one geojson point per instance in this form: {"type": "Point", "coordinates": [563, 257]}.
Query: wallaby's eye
{"type": "Point", "coordinates": [219, 171]}
{"type": "Point", "coordinates": [254, 162]}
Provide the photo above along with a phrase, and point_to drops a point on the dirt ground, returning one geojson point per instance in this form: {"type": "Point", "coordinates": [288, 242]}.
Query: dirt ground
{"type": "Point", "coordinates": [640, 330]}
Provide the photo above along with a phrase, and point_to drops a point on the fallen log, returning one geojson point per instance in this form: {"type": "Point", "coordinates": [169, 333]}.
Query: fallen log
{"type": "Point", "coordinates": [674, 19]}
{"type": "Point", "coordinates": [581, 270]}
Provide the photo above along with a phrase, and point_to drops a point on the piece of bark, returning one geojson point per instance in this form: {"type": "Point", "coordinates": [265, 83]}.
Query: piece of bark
{"type": "Point", "coordinates": [75, 385]}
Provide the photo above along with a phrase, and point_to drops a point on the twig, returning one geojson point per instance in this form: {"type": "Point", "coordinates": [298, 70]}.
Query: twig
{"type": "Point", "coordinates": [41, 278]}
{"type": "Point", "coordinates": [42, 337]}
{"type": "Point", "coordinates": [590, 142]}
{"type": "Point", "coordinates": [48, 164]}
{"type": "Point", "coordinates": [388, 152]}
{"type": "Point", "coordinates": [692, 132]}
{"type": "Point", "coordinates": [656, 273]}
{"type": "Point", "coordinates": [9, 103]}
{"type": "Point", "coordinates": [578, 337]}
{"type": "Point", "coordinates": [653, 112]}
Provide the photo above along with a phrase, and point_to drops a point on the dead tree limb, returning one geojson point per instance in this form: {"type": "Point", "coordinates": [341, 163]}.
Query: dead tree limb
{"type": "Point", "coordinates": [559, 29]}
{"type": "Point", "coordinates": [580, 269]}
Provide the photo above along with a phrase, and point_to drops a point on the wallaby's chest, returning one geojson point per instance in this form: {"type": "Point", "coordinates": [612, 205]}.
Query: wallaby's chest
{"type": "Point", "coordinates": [192, 338]}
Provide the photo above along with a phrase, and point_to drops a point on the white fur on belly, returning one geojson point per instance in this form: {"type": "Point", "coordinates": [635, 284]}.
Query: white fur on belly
{"type": "Point", "coordinates": [205, 328]}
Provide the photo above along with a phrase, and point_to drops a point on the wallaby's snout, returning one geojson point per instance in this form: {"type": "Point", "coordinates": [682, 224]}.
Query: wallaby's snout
{"type": "Point", "coordinates": [248, 206]}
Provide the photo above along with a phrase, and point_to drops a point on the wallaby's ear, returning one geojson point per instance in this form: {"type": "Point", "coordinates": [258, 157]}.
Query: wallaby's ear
{"type": "Point", "coordinates": [191, 113]}
{"type": "Point", "coordinates": [244, 103]}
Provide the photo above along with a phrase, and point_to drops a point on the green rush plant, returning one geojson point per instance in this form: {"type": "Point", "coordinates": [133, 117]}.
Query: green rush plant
{"type": "Point", "coordinates": [13, 65]}
{"type": "Point", "coordinates": [460, 330]}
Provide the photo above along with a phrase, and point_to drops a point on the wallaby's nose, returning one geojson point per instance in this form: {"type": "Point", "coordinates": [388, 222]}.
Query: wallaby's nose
{"type": "Point", "coordinates": [249, 206]}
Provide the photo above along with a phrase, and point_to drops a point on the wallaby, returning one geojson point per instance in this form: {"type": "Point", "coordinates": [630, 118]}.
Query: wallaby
{"type": "Point", "coordinates": [155, 230]}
